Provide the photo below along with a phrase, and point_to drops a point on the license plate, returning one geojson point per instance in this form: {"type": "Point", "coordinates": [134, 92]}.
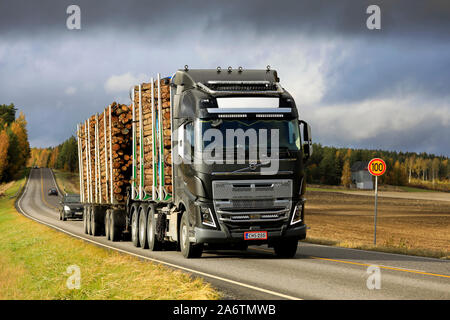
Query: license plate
{"type": "Point", "coordinates": [255, 235]}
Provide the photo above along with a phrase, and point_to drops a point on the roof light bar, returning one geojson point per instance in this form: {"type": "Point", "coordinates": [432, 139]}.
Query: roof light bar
{"type": "Point", "coordinates": [231, 115]}
{"type": "Point", "coordinates": [276, 115]}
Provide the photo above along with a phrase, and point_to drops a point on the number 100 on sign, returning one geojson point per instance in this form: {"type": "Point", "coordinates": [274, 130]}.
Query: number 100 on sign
{"type": "Point", "coordinates": [377, 167]}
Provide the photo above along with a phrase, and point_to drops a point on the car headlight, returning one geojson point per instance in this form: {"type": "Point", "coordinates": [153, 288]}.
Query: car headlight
{"type": "Point", "coordinates": [207, 217]}
{"type": "Point", "coordinates": [66, 208]}
{"type": "Point", "coordinates": [297, 216]}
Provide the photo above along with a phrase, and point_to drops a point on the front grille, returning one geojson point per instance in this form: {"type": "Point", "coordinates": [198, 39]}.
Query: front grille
{"type": "Point", "coordinates": [243, 226]}
{"type": "Point", "coordinates": [252, 189]}
{"type": "Point", "coordinates": [240, 201]}
{"type": "Point", "coordinates": [251, 204]}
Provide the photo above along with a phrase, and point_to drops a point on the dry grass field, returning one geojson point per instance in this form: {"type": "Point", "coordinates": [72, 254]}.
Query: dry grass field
{"type": "Point", "coordinates": [411, 226]}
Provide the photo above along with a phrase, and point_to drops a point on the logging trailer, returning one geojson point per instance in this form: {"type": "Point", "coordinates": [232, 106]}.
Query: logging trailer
{"type": "Point", "coordinates": [184, 164]}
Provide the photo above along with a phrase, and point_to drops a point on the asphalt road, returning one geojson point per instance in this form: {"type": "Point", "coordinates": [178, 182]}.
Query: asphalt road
{"type": "Point", "coordinates": [317, 272]}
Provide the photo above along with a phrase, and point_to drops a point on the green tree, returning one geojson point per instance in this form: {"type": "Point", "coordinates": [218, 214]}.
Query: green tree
{"type": "Point", "coordinates": [7, 114]}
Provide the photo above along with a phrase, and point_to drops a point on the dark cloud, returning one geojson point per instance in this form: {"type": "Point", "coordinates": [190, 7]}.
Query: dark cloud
{"type": "Point", "coordinates": [345, 17]}
{"type": "Point", "coordinates": [322, 49]}
{"type": "Point", "coordinates": [391, 67]}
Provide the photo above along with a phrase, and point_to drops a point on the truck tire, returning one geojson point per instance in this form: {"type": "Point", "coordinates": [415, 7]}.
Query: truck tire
{"type": "Point", "coordinates": [117, 223]}
{"type": "Point", "coordinates": [88, 220]}
{"type": "Point", "coordinates": [286, 248]}
{"type": "Point", "coordinates": [60, 215]}
{"type": "Point", "coordinates": [153, 243]}
{"type": "Point", "coordinates": [107, 224]}
{"type": "Point", "coordinates": [135, 225]}
{"type": "Point", "coordinates": [97, 218]}
{"type": "Point", "coordinates": [188, 249]}
{"type": "Point", "coordinates": [85, 224]}
{"type": "Point", "coordinates": [143, 209]}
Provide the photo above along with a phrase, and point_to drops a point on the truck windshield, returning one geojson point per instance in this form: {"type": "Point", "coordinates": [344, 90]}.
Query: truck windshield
{"type": "Point", "coordinates": [288, 132]}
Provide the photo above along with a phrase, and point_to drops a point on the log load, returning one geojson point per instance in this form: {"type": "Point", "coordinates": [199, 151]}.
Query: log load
{"type": "Point", "coordinates": [148, 140]}
{"type": "Point", "coordinates": [112, 156]}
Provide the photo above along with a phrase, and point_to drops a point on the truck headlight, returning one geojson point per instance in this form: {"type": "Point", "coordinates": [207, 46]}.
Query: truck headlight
{"type": "Point", "coordinates": [297, 216]}
{"type": "Point", "coordinates": [66, 208]}
{"type": "Point", "coordinates": [207, 217]}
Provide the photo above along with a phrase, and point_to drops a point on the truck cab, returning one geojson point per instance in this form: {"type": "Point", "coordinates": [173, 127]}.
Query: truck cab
{"type": "Point", "coordinates": [240, 149]}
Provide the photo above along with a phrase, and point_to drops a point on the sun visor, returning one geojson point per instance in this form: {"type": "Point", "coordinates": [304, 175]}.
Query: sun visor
{"type": "Point", "coordinates": [248, 103]}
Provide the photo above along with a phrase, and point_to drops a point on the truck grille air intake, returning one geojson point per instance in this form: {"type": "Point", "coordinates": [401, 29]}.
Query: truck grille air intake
{"type": "Point", "coordinates": [252, 200]}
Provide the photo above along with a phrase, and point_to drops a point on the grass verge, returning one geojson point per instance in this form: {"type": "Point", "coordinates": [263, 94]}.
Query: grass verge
{"type": "Point", "coordinates": [34, 261]}
{"type": "Point", "coordinates": [68, 182]}
{"type": "Point", "coordinates": [399, 248]}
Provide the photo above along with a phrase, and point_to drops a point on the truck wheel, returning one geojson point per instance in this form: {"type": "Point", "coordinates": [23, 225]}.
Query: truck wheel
{"type": "Point", "coordinates": [153, 243]}
{"type": "Point", "coordinates": [88, 220]}
{"type": "Point", "coordinates": [116, 225]}
{"type": "Point", "coordinates": [143, 209]}
{"type": "Point", "coordinates": [60, 215]}
{"type": "Point", "coordinates": [96, 221]}
{"type": "Point", "coordinates": [107, 224]}
{"type": "Point", "coordinates": [135, 225]}
{"type": "Point", "coordinates": [286, 248]}
{"type": "Point", "coordinates": [188, 249]}
{"type": "Point", "coordinates": [85, 224]}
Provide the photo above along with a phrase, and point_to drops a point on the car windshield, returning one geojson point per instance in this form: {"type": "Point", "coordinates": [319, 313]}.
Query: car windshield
{"type": "Point", "coordinates": [288, 131]}
{"type": "Point", "coordinates": [72, 198]}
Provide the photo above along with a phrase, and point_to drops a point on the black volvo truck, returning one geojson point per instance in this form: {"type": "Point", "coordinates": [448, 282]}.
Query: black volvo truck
{"type": "Point", "coordinates": [239, 148]}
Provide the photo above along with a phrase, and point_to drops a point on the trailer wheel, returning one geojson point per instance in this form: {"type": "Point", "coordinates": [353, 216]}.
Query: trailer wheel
{"type": "Point", "coordinates": [107, 224]}
{"type": "Point", "coordinates": [143, 209]}
{"type": "Point", "coordinates": [85, 215]}
{"type": "Point", "coordinates": [188, 249]}
{"type": "Point", "coordinates": [135, 225]}
{"type": "Point", "coordinates": [286, 248]}
{"type": "Point", "coordinates": [94, 228]}
{"type": "Point", "coordinates": [153, 243]}
{"type": "Point", "coordinates": [116, 226]}
{"type": "Point", "coordinates": [88, 220]}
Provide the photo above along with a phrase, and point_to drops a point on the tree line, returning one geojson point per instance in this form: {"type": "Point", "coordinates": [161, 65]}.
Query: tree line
{"type": "Point", "coordinates": [63, 156]}
{"type": "Point", "coordinates": [327, 165]}
{"type": "Point", "coordinates": [14, 145]}
{"type": "Point", "coordinates": [332, 166]}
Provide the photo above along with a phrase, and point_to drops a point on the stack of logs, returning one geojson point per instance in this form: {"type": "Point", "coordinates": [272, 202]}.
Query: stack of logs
{"type": "Point", "coordinates": [120, 150]}
{"type": "Point", "coordinates": [146, 106]}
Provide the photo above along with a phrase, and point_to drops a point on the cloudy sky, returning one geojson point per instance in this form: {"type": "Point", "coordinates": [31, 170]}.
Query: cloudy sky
{"type": "Point", "coordinates": [357, 87]}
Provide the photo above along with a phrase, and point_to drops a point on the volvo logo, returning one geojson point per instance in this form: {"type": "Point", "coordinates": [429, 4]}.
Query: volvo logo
{"type": "Point", "coordinates": [251, 167]}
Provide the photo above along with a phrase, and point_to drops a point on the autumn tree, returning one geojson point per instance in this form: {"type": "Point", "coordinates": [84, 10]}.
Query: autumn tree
{"type": "Point", "coordinates": [19, 129]}
{"type": "Point", "coordinates": [346, 178]}
{"type": "Point", "coordinates": [4, 146]}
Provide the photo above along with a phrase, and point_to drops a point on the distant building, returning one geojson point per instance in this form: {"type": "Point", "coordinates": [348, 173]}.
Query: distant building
{"type": "Point", "coordinates": [361, 176]}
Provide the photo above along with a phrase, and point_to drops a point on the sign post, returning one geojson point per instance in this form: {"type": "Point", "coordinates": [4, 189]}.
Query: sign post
{"type": "Point", "coordinates": [376, 167]}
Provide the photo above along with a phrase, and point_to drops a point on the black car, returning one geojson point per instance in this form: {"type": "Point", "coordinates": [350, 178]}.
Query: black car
{"type": "Point", "coordinates": [52, 192]}
{"type": "Point", "coordinates": [71, 207]}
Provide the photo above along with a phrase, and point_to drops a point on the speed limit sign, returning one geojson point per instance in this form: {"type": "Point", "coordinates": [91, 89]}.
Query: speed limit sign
{"type": "Point", "coordinates": [377, 167]}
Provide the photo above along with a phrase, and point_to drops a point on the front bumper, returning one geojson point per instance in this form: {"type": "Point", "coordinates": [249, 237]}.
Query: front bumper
{"type": "Point", "coordinates": [225, 236]}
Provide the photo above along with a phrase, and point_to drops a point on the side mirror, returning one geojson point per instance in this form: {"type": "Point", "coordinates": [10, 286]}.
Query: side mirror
{"type": "Point", "coordinates": [307, 140]}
